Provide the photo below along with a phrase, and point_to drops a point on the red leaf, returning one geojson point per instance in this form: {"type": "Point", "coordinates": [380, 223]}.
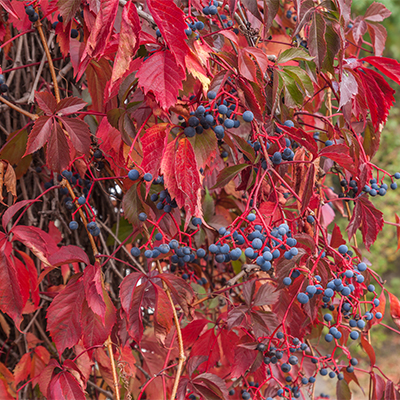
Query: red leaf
{"type": "Point", "coordinates": [39, 242]}
{"type": "Point", "coordinates": [98, 73]}
{"type": "Point", "coordinates": [214, 383]}
{"type": "Point", "coordinates": [340, 154]}
{"type": "Point", "coordinates": [102, 30]}
{"type": "Point", "coordinates": [388, 66]}
{"type": "Point", "coordinates": [40, 134]}
{"type": "Point", "coordinates": [247, 96]}
{"type": "Point", "coordinates": [67, 255]}
{"type": "Point", "coordinates": [65, 386]}
{"type": "Point", "coordinates": [390, 391]}
{"type": "Point", "coordinates": [377, 12]}
{"type": "Point", "coordinates": [79, 134]}
{"type": "Point", "coordinates": [207, 345]}
{"type": "Point", "coordinates": [6, 4]}
{"type": "Point", "coordinates": [182, 292]}
{"type": "Point", "coordinates": [368, 349]}
{"type": "Point", "coordinates": [70, 105]}
{"type": "Point", "coordinates": [187, 176]}
{"type": "Point", "coordinates": [316, 39]}
{"type": "Point", "coordinates": [64, 315]}
{"type": "Point", "coordinates": [394, 308]}
{"type": "Point", "coordinates": [168, 171]}
{"type": "Point", "coordinates": [154, 142]}
{"type": "Point", "coordinates": [93, 290]}
{"type": "Point", "coordinates": [163, 314]}
{"type": "Point", "coordinates": [301, 137]}
{"type": "Point", "coordinates": [378, 37]}
{"type": "Point", "coordinates": [260, 57]}
{"type": "Point", "coordinates": [11, 211]}
{"type": "Point", "coordinates": [131, 300]}
{"type": "Point", "coordinates": [266, 294]}
{"type": "Point", "coordinates": [161, 75]}
{"type": "Point", "coordinates": [308, 188]}
{"type": "Point", "coordinates": [32, 276]}
{"type": "Point", "coordinates": [46, 102]}
{"type": "Point", "coordinates": [111, 143]}
{"type": "Point", "coordinates": [369, 218]}
{"type": "Point", "coordinates": [170, 20]}
{"type": "Point", "coordinates": [57, 153]}
{"type": "Point", "coordinates": [191, 331]}
{"type": "Point", "coordinates": [23, 368]}
{"type": "Point", "coordinates": [11, 297]}
{"type": "Point", "coordinates": [95, 329]}
{"type": "Point", "coordinates": [337, 237]}
{"type": "Point", "coordinates": [68, 9]}
{"type": "Point", "coordinates": [379, 386]}
{"type": "Point", "coordinates": [128, 42]}
{"type": "Point", "coordinates": [247, 67]}
{"type": "Point", "coordinates": [359, 29]}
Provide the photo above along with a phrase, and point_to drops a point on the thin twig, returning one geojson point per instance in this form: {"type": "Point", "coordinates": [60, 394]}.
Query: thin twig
{"type": "Point", "coordinates": [101, 390]}
{"type": "Point", "coordinates": [31, 98]}
{"type": "Point", "coordinates": [33, 117]}
{"type": "Point", "coordinates": [38, 26]}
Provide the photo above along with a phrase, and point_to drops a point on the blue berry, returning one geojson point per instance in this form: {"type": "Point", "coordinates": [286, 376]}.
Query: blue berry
{"type": "Point", "coordinates": [371, 288]}
{"type": "Point", "coordinates": [287, 281]}
{"type": "Point", "coordinates": [251, 217]}
{"type": "Point", "coordinates": [361, 324]}
{"type": "Point", "coordinates": [362, 267]}
{"type": "Point", "coordinates": [212, 10]}
{"type": "Point", "coordinates": [302, 298]}
{"type": "Point", "coordinates": [354, 335]}
{"type": "Point", "coordinates": [328, 143]}
{"type": "Point", "coordinates": [81, 200]}
{"type": "Point", "coordinates": [135, 251]}
{"type": "Point", "coordinates": [310, 219]}
{"type": "Point", "coordinates": [229, 123]}
{"type": "Point", "coordinates": [211, 95]}
{"type": "Point", "coordinates": [257, 244]}
{"type": "Point", "coordinates": [73, 225]}
{"type": "Point", "coordinates": [133, 174]}
{"type": "Point", "coordinates": [378, 315]}
{"type": "Point", "coordinates": [289, 123]}
{"type": "Point", "coordinates": [343, 249]}
{"type": "Point", "coordinates": [142, 217]}
{"type": "Point", "coordinates": [74, 33]}
{"type": "Point", "coordinates": [199, 25]}
{"type": "Point", "coordinates": [248, 116]}
{"type": "Point", "coordinates": [148, 177]}
{"type": "Point", "coordinates": [328, 337]}
{"type": "Point", "coordinates": [328, 317]}
{"type": "Point", "coordinates": [397, 175]}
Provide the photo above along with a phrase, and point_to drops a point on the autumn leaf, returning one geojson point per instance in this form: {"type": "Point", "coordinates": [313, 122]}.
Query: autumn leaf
{"type": "Point", "coordinates": [161, 75]}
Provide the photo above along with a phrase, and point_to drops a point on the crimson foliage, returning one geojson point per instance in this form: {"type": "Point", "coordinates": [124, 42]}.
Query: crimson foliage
{"type": "Point", "coordinates": [194, 173]}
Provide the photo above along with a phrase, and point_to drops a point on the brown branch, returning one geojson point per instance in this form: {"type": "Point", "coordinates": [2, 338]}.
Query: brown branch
{"type": "Point", "coordinates": [38, 26]}
{"type": "Point", "coordinates": [101, 390]}
{"type": "Point", "coordinates": [33, 117]}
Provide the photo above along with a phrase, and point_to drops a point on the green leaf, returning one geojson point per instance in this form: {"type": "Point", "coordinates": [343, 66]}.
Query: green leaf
{"type": "Point", "coordinates": [132, 205]}
{"type": "Point", "coordinates": [301, 77]}
{"type": "Point", "coordinates": [205, 147]}
{"type": "Point", "coordinates": [125, 229]}
{"type": "Point", "coordinates": [342, 390]}
{"type": "Point", "coordinates": [294, 53]}
{"type": "Point", "coordinates": [244, 147]}
{"type": "Point", "coordinates": [332, 47]}
{"type": "Point", "coordinates": [293, 96]}
{"type": "Point", "coordinates": [227, 174]}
